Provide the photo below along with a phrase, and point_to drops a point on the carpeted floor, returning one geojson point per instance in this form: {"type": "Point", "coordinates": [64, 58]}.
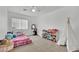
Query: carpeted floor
{"type": "Point", "coordinates": [40, 45]}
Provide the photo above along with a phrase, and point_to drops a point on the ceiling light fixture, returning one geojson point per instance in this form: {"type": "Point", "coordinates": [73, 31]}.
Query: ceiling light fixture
{"type": "Point", "coordinates": [35, 9]}
{"type": "Point", "coordinates": [32, 9]}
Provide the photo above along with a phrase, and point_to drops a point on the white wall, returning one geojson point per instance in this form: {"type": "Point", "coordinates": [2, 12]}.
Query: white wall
{"type": "Point", "coordinates": [31, 20]}
{"type": "Point", "coordinates": [3, 21]}
{"type": "Point", "coordinates": [58, 18]}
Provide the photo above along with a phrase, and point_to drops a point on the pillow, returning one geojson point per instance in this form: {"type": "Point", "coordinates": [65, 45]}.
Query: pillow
{"type": "Point", "coordinates": [2, 36]}
{"type": "Point", "coordinates": [14, 36]}
{"type": "Point", "coordinates": [19, 34]}
{"type": "Point", "coordinates": [9, 36]}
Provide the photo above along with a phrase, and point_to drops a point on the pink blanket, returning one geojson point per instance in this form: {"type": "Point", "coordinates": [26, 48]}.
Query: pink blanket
{"type": "Point", "coordinates": [21, 40]}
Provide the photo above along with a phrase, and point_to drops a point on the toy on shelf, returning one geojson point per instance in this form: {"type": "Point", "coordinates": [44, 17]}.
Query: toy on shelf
{"type": "Point", "coordinates": [53, 33]}
{"type": "Point", "coordinates": [50, 34]}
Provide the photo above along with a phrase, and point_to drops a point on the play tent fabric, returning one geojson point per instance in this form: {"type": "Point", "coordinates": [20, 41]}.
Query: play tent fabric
{"type": "Point", "coordinates": [69, 38]}
{"type": "Point", "coordinates": [72, 41]}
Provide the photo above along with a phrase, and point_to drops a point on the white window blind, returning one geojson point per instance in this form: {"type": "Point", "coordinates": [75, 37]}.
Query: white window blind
{"type": "Point", "coordinates": [19, 23]}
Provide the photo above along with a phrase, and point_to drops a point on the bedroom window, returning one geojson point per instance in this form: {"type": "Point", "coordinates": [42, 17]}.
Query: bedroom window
{"type": "Point", "coordinates": [19, 23]}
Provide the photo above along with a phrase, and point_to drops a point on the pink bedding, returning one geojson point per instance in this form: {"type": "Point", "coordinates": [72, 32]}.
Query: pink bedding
{"type": "Point", "coordinates": [21, 40]}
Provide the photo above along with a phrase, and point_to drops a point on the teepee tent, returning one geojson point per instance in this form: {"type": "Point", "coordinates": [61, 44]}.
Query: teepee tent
{"type": "Point", "coordinates": [72, 41]}
{"type": "Point", "coordinates": [69, 38]}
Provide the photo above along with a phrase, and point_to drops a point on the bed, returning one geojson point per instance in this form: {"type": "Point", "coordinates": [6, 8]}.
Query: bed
{"type": "Point", "coordinates": [21, 40]}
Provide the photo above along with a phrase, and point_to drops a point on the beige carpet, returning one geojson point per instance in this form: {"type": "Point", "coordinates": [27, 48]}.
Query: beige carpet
{"type": "Point", "coordinates": [40, 45]}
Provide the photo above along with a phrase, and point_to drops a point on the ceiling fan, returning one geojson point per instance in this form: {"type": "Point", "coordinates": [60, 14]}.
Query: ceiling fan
{"type": "Point", "coordinates": [33, 9]}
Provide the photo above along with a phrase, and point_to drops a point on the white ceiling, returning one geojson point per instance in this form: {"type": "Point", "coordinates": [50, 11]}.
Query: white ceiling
{"type": "Point", "coordinates": [43, 9]}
